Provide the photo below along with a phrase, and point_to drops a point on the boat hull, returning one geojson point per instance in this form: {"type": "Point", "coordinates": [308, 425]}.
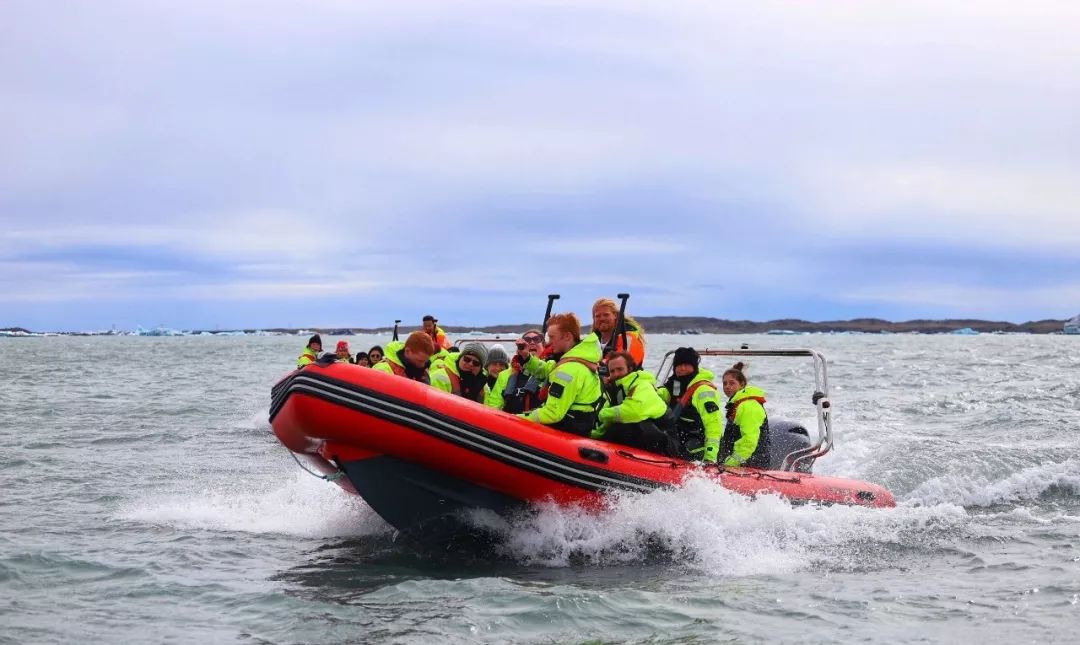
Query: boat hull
{"type": "Point", "coordinates": [421, 457]}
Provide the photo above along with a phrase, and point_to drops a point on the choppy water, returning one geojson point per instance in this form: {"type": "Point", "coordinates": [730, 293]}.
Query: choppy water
{"type": "Point", "coordinates": [144, 499]}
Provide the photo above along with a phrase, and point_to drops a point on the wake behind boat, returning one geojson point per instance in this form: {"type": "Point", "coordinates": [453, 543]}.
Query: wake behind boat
{"type": "Point", "coordinates": [422, 458]}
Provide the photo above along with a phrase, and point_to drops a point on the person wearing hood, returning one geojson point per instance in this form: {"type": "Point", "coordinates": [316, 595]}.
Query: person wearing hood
{"type": "Point", "coordinates": [635, 414]}
{"type": "Point", "coordinates": [695, 403]}
{"type": "Point", "coordinates": [462, 374]}
{"type": "Point", "coordinates": [409, 359]}
{"type": "Point", "coordinates": [311, 351]}
{"type": "Point", "coordinates": [343, 353]}
{"type": "Point", "coordinates": [575, 394]}
{"type": "Point", "coordinates": [498, 374]}
{"type": "Point", "coordinates": [746, 436]}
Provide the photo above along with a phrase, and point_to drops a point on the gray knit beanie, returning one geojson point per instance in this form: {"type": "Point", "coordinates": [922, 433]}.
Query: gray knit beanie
{"type": "Point", "coordinates": [476, 349]}
{"type": "Point", "coordinates": [496, 354]}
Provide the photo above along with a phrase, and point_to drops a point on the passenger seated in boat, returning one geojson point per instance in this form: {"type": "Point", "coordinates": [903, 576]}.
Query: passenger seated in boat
{"type": "Point", "coordinates": [463, 376]}
{"type": "Point", "coordinates": [438, 336]}
{"type": "Point", "coordinates": [342, 351]}
{"type": "Point", "coordinates": [362, 359]}
{"type": "Point", "coordinates": [375, 354]}
{"type": "Point", "coordinates": [635, 414]}
{"type": "Point", "coordinates": [522, 390]}
{"type": "Point", "coordinates": [498, 373]}
{"type": "Point", "coordinates": [311, 351]}
{"type": "Point", "coordinates": [408, 359]}
{"type": "Point", "coordinates": [605, 325]}
{"type": "Point", "coordinates": [575, 394]}
{"type": "Point", "coordinates": [746, 435]}
{"type": "Point", "coordinates": [695, 403]}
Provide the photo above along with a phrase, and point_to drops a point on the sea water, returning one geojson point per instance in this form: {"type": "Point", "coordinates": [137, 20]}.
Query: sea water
{"type": "Point", "coordinates": [145, 499]}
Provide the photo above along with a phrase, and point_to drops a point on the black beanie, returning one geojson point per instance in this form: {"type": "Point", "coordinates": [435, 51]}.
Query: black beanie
{"type": "Point", "coordinates": [315, 339]}
{"type": "Point", "coordinates": [686, 356]}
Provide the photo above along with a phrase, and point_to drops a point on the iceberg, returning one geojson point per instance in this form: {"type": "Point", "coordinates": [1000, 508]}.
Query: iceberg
{"type": "Point", "coordinates": [1072, 327]}
{"type": "Point", "coordinates": [158, 331]}
{"type": "Point", "coordinates": [965, 331]}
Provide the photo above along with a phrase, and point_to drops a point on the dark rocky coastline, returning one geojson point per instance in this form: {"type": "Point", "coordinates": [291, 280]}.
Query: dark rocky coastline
{"type": "Point", "coordinates": [706, 325]}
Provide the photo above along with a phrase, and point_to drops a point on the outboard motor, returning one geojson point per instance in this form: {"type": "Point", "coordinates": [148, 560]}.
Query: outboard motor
{"type": "Point", "coordinates": [785, 437]}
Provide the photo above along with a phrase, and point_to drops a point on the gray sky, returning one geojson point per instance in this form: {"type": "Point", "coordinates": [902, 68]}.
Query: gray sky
{"type": "Point", "coordinates": [320, 163]}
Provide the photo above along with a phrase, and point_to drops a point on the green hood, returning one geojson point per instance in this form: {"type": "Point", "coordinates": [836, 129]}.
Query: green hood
{"type": "Point", "coordinates": [702, 375]}
{"type": "Point", "coordinates": [747, 392]}
{"type": "Point", "coordinates": [390, 351]}
{"type": "Point", "coordinates": [588, 349]}
{"type": "Point", "coordinates": [641, 375]}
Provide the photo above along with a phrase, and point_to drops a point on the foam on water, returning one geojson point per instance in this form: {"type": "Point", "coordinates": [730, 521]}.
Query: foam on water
{"type": "Point", "coordinates": [712, 529]}
{"type": "Point", "coordinates": [974, 490]}
{"type": "Point", "coordinates": [303, 506]}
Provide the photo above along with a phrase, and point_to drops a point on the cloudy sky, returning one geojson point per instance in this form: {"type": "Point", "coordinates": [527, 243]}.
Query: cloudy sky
{"type": "Point", "coordinates": [332, 162]}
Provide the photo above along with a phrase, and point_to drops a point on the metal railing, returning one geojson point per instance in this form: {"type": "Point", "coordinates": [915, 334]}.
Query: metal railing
{"type": "Point", "coordinates": [820, 397]}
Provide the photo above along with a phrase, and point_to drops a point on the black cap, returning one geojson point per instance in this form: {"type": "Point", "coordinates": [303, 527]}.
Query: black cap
{"type": "Point", "coordinates": [315, 339]}
{"type": "Point", "coordinates": [429, 317]}
{"type": "Point", "coordinates": [686, 356]}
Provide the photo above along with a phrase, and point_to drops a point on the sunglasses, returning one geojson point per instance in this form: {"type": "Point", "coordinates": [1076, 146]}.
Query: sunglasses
{"type": "Point", "coordinates": [533, 338]}
{"type": "Point", "coordinates": [469, 360]}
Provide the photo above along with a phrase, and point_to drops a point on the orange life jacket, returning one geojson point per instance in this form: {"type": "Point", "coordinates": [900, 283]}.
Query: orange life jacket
{"type": "Point", "coordinates": [689, 394]}
{"type": "Point", "coordinates": [455, 386]}
{"type": "Point", "coordinates": [732, 407]}
{"type": "Point", "coordinates": [399, 370]}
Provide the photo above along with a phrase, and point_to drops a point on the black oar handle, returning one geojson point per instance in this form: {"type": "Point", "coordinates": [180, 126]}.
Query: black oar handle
{"type": "Point", "coordinates": [552, 297]}
{"type": "Point", "coordinates": [396, 323]}
{"type": "Point", "coordinates": [623, 297]}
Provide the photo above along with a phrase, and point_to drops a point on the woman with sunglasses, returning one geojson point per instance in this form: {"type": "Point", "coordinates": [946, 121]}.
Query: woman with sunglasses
{"type": "Point", "coordinates": [375, 354]}
{"type": "Point", "coordinates": [522, 392]}
{"type": "Point", "coordinates": [465, 376]}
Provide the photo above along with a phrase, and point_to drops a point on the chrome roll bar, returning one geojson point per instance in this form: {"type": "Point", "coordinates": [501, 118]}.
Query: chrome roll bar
{"type": "Point", "coordinates": [820, 397]}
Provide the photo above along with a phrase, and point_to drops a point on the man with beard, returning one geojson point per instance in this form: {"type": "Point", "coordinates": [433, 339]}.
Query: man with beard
{"type": "Point", "coordinates": [693, 399]}
{"type": "Point", "coordinates": [605, 314]}
{"type": "Point", "coordinates": [464, 376]}
{"type": "Point", "coordinates": [635, 414]}
{"type": "Point", "coordinates": [438, 336]}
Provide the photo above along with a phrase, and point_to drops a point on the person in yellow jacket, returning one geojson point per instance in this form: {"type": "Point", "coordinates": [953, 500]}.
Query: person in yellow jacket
{"type": "Point", "coordinates": [409, 359]}
{"type": "Point", "coordinates": [606, 327]}
{"type": "Point", "coordinates": [695, 403]}
{"type": "Point", "coordinates": [438, 336]}
{"type": "Point", "coordinates": [635, 414]}
{"type": "Point", "coordinates": [311, 351]}
{"type": "Point", "coordinates": [498, 376]}
{"type": "Point", "coordinates": [746, 436]}
{"type": "Point", "coordinates": [463, 375]}
{"type": "Point", "coordinates": [574, 393]}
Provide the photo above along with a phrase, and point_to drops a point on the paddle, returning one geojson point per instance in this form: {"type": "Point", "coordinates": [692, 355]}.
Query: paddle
{"type": "Point", "coordinates": [396, 323]}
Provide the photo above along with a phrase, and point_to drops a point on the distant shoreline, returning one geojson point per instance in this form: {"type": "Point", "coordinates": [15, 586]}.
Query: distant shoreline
{"type": "Point", "coordinates": [666, 325]}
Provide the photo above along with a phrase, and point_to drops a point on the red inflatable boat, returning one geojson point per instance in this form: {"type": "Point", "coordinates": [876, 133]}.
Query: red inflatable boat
{"type": "Point", "coordinates": [418, 455]}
